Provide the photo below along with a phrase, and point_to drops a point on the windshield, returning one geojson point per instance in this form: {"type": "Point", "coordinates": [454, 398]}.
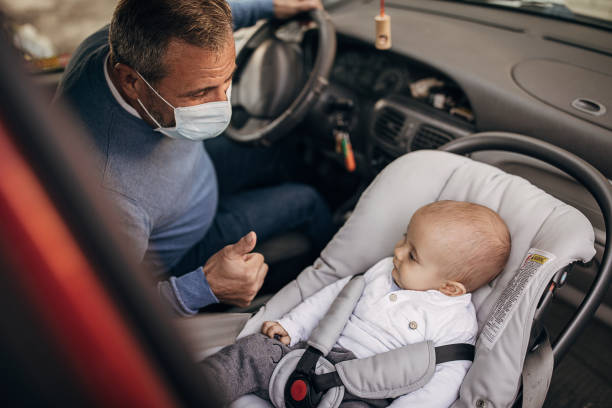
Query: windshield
{"type": "Point", "coordinates": [582, 11]}
{"type": "Point", "coordinates": [48, 30]}
{"type": "Point", "coordinates": [592, 12]}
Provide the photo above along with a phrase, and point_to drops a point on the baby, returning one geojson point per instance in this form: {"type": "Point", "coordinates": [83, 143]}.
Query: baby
{"type": "Point", "coordinates": [422, 293]}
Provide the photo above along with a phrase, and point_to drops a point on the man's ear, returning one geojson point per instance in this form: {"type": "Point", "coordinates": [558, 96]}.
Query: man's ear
{"type": "Point", "coordinates": [128, 80]}
{"type": "Point", "coordinates": [452, 288]}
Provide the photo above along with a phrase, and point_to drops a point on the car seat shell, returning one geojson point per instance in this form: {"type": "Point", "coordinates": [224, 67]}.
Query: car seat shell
{"type": "Point", "coordinates": [535, 220]}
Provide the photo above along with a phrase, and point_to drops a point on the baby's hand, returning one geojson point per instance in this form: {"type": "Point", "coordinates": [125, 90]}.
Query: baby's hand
{"type": "Point", "coordinates": [275, 331]}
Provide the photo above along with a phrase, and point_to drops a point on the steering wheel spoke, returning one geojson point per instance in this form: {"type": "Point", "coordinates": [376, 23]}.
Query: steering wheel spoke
{"type": "Point", "coordinates": [272, 92]}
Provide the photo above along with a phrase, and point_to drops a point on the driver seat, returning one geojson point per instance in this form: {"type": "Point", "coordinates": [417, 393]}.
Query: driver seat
{"type": "Point", "coordinates": [508, 309]}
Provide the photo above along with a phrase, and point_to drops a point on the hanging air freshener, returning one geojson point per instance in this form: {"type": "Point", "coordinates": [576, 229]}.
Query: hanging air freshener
{"type": "Point", "coordinates": [383, 28]}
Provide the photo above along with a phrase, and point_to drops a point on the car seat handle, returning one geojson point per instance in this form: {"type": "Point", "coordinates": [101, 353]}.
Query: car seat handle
{"type": "Point", "coordinates": [584, 173]}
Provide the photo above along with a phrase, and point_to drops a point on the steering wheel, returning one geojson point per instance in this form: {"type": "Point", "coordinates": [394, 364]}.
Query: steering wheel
{"type": "Point", "coordinates": [270, 91]}
{"type": "Point", "coordinates": [584, 173]}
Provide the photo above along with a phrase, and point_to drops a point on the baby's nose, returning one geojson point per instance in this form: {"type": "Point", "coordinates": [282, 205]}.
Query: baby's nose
{"type": "Point", "coordinates": [397, 254]}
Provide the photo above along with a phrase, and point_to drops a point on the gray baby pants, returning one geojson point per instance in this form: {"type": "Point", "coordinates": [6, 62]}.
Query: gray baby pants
{"type": "Point", "coordinates": [246, 367]}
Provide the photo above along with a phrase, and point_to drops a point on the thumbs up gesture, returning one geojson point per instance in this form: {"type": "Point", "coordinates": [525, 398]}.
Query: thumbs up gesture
{"type": "Point", "coordinates": [235, 274]}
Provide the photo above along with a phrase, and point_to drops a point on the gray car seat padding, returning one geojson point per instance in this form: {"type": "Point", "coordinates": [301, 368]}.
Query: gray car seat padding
{"type": "Point", "coordinates": [535, 220]}
{"type": "Point", "coordinates": [367, 377]}
{"type": "Point", "coordinates": [325, 335]}
{"type": "Point", "coordinates": [371, 377]}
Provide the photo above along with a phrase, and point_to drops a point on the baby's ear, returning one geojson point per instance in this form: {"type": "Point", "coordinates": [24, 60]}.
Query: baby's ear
{"type": "Point", "coordinates": [452, 288]}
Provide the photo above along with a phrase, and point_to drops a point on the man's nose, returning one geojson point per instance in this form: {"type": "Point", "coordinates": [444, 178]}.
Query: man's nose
{"type": "Point", "coordinates": [220, 94]}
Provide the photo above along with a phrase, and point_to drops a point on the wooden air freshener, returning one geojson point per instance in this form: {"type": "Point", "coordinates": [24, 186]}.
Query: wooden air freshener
{"type": "Point", "coordinates": [383, 31]}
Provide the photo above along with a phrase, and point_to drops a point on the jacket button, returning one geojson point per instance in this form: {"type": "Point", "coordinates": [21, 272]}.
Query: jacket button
{"type": "Point", "coordinates": [413, 325]}
{"type": "Point", "coordinates": [393, 297]}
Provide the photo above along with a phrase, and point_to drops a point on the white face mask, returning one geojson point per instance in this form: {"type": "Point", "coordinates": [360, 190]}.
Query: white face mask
{"type": "Point", "coordinates": [197, 122]}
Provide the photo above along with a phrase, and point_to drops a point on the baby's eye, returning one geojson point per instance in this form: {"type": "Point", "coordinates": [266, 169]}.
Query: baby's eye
{"type": "Point", "coordinates": [412, 257]}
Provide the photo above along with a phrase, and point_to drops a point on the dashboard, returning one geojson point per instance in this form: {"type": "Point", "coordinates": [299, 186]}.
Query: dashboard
{"type": "Point", "coordinates": [376, 74]}
{"type": "Point", "coordinates": [400, 105]}
{"type": "Point", "coordinates": [483, 69]}
{"type": "Point", "coordinates": [505, 71]}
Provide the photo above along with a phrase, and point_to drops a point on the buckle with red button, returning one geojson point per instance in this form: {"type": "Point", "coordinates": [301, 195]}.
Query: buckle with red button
{"type": "Point", "coordinates": [299, 393]}
{"type": "Point", "coordinates": [298, 390]}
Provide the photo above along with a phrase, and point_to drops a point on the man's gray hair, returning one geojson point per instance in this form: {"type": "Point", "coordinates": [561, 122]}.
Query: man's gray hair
{"type": "Point", "coordinates": [141, 30]}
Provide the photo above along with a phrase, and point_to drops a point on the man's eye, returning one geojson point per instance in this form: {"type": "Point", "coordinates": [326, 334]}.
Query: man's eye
{"type": "Point", "coordinates": [200, 94]}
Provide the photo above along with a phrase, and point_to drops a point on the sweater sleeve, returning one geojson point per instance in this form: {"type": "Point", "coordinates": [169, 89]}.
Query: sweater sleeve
{"type": "Point", "coordinates": [185, 294]}
{"type": "Point", "coordinates": [245, 13]}
{"type": "Point", "coordinates": [302, 320]}
{"type": "Point", "coordinates": [191, 292]}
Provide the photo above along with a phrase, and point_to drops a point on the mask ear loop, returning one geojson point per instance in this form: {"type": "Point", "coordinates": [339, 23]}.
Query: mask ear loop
{"type": "Point", "coordinates": [153, 89]}
{"type": "Point", "coordinates": [156, 93]}
{"type": "Point", "coordinates": [148, 113]}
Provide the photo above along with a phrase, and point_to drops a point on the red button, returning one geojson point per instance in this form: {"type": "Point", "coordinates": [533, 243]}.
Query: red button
{"type": "Point", "coordinates": [298, 390]}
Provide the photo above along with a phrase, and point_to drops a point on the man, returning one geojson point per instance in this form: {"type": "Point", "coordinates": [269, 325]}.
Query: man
{"type": "Point", "coordinates": [150, 88]}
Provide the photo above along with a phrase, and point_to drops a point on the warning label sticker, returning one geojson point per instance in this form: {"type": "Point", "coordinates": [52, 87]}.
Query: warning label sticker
{"type": "Point", "coordinates": [508, 301]}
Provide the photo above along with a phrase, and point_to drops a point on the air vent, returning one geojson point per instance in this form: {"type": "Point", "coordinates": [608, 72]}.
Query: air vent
{"type": "Point", "coordinates": [388, 124]}
{"type": "Point", "coordinates": [429, 137]}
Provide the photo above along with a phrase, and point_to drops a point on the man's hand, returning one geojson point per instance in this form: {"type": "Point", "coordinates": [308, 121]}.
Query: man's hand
{"type": "Point", "coordinates": [289, 8]}
{"type": "Point", "coordinates": [234, 274]}
{"type": "Point", "coordinates": [275, 330]}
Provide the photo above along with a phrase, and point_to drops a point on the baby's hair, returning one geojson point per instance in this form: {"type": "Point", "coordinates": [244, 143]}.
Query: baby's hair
{"type": "Point", "coordinates": [475, 239]}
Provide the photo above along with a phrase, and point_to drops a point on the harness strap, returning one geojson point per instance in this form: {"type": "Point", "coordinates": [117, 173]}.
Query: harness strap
{"type": "Point", "coordinates": [299, 392]}
{"type": "Point", "coordinates": [324, 382]}
{"type": "Point", "coordinates": [452, 352]}
{"type": "Point", "coordinates": [308, 362]}
{"type": "Point", "coordinates": [325, 335]}
{"type": "Point", "coordinates": [444, 354]}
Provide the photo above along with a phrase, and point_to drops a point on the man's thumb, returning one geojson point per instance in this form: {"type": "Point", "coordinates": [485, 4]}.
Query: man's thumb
{"type": "Point", "coordinates": [245, 245]}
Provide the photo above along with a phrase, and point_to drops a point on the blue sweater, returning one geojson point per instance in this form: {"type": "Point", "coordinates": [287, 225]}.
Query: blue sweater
{"type": "Point", "coordinates": [165, 189]}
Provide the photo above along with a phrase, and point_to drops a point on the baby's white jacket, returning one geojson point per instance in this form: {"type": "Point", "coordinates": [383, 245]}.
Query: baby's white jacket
{"type": "Point", "coordinates": [387, 317]}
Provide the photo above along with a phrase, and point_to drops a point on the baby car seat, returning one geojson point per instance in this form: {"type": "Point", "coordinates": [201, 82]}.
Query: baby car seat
{"type": "Point", "coordinates": [513, 355]}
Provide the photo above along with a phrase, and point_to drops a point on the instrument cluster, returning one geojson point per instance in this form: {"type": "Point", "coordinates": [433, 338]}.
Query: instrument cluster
{"type": "Point", "coordinates": [370, 72]}
{"type": "Point", "coordinates": [375, 74]}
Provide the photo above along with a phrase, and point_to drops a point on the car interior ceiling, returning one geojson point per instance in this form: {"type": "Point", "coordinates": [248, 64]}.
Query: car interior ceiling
{"type": "Point", "coordinates": [455, 69]}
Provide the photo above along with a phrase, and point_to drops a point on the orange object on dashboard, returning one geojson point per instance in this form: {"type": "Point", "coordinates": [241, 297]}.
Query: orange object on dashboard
{"type": "Point", "coordinates": [349, 156]}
